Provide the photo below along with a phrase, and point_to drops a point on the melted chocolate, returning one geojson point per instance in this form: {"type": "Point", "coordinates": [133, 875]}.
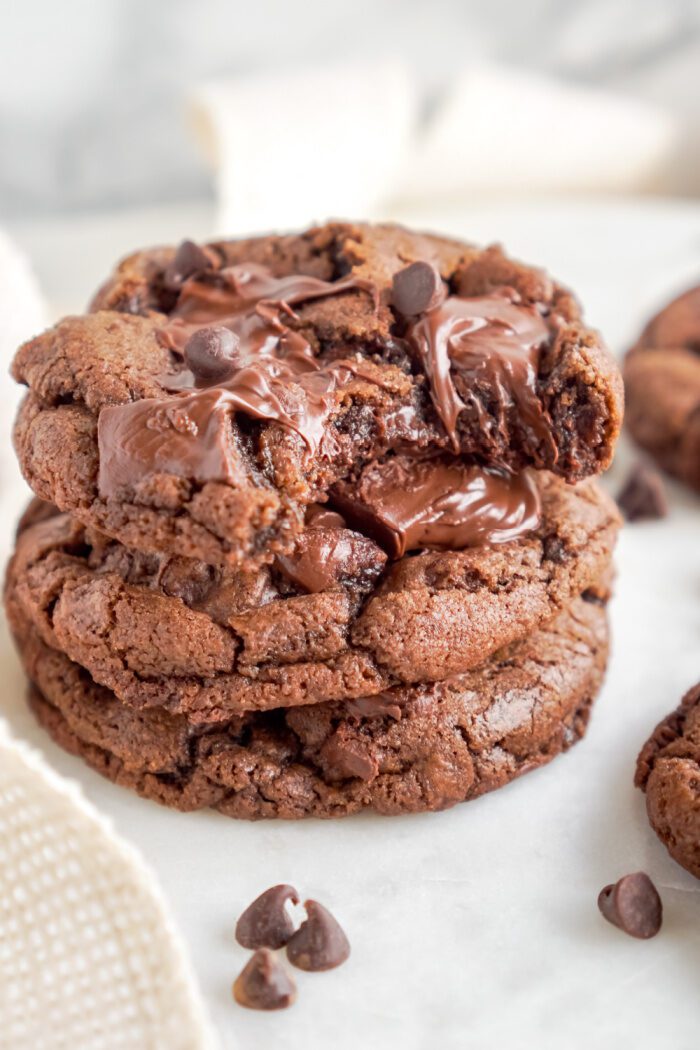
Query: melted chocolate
{"type": "Point", "coordinates": [492, 340]}
{"type": "Point", "coordinates": [327, 553]}
{"type": "Point", "coordinates": [381, 705]}
{"type": "Point", "coordinates": [278, 379]}
{"type": "Point", "coordinates": [443, 504]}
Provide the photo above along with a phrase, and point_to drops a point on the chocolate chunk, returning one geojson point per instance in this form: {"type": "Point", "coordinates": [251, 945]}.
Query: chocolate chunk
{"type": "Point", "coordinates": [189, 259]}
{"type": "Point", "coordinates": [554, 550]}
{"type": "Point", "coordinates": [212, 354]}
{"type": "Point", "coordinates": [324, 558]}
{"type": "Point", "coordinates": [417, 288]}
{"type": "Point", "coordinates": [643, 496]}
{"type": "Point", "coordinates": [633, 904]}
{"type": "Point", "coordinates": [344, 757]}
{"type": "Point", "coordinates": [407, 504]}
{"type": "Point", "coordinates": [263, 984]}
{"type": "Point", "coordinates": [319, 943]}
{"type": "Point", "coordinates": [266, 923]}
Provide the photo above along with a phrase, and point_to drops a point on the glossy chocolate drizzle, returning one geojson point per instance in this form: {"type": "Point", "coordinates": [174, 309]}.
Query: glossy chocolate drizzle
{"type": "Point", "coordinates": [493, 340]}
{"type": "Point", "coordinates": [279, 379]}
{"type": "Point", "coordinates": [407, 504]}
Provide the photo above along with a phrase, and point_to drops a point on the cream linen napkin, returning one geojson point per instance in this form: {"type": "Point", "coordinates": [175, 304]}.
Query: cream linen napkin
{"type": "Point", "coordinates": [293, 148]}
{"type": "Point", "coordinates": [89, 958]}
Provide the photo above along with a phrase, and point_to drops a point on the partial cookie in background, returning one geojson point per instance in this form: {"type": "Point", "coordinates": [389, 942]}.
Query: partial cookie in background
{"type": "Point", "coordinates": [408, 750]}
{"type": "Point", "coordinates": [331, 376]}
{"type": "Point", "coordinates": [209, 643]}
{"type": "Point", "coordinates": [668, 770]}
{"type": "Point", "coordinates": [662, 386]}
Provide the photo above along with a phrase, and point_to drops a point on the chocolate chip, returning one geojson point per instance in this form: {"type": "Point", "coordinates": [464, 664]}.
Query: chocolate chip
{"type": "Point", "coordinates": [554, 550]}
{"type": "Point", "coordinates": [417, 288]}
{"type": "Point", "coordinates": [643, 496]}
{"type": "Point", "coordinates": [266, 923]}
{"type": "Point", "coordinates": [633, 904]}
{"type": "Point", "coordinates": [212, 353]}
{"type": "Point", "coordinates": [189, 259]}
{"type": "Point", "coordinates": [319, 943]}
{"type": "Point", "coordinates": [263, 984]}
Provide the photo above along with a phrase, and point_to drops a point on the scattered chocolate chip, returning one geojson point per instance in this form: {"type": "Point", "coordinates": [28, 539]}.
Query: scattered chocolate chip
{"type": "Point", "coordinates": [212, 353]}
{"type": "Point", "coordinates": [266, 923]}
{"type": "Point", "coordinates": [633, 904]}
{"type": "Point", "coordinates": [417, 288]}
{"type": "Point", "coordinates": [263, 984]}
{"type": "Point", "coordinates": [319, 943]}
{"type": "Point", "coordinates": [190, 258]}
{"type": "Point", "coordinates": [643, 496]}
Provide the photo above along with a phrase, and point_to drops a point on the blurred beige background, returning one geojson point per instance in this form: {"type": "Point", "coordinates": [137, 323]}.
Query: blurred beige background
{"type": "Point", "coordinates": [92, 92]}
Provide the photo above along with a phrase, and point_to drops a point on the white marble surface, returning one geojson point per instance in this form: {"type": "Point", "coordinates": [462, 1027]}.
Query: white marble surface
{"type": "Point", "coordinates": [476, 927]}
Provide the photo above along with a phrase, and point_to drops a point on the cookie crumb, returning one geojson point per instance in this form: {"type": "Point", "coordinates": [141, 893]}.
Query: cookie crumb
{"type": "Point", "coordinates": [633, 905]}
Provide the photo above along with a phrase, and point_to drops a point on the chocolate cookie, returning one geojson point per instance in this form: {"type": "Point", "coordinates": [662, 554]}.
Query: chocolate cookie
{"type": "Point", "coordinates": [662, 382]}
{"type": "Point", "coordinates": [330, 621]}
{"type": "Point", "coordinates": [216, 392]}
{"type": "Point", "coordinates": [408, 750]}
{"type": "Point", "coordinates": [668, 770]}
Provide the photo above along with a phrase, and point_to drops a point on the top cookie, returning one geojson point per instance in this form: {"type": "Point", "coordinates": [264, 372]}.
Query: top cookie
{"type": "Point", "coordinates": [662, 379]}
{"type": "Point", "coordinates": [214, 392]}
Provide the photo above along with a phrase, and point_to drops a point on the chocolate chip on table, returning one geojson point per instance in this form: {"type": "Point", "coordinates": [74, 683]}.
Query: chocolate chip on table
{"type": "Point", "coordinates": [189, 259]}
{"type": "Point", "coordinates": [320, 942]}
{"type": "Point", "coordinates": [266, 922]}
{"type": "Point", "coordinates": [643, 496]}
{"type": "Point", "coordinates": [212, 353]}
{"type": "Point", "coordinates": [417, 288]}
{"type": "Point", "coordinates": [633, 904]}
{"type": "Point", "coordinates": [264, 984]}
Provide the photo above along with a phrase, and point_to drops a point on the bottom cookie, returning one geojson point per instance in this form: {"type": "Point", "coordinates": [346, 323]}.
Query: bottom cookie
{"type": "Point", "coordinates": [405, 751]}
{"type": "Point", "coordinates": [668, 770]}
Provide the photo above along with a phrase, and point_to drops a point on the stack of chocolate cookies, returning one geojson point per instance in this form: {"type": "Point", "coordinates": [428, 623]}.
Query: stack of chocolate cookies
{"type": "Point", "coordinates": [317, 528]}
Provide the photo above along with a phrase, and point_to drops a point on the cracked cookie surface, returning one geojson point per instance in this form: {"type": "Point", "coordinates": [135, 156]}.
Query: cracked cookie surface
{"type": "Point", "coordinates": [409, 750]}
{"type": "Point", "coordinates": [180, 635]}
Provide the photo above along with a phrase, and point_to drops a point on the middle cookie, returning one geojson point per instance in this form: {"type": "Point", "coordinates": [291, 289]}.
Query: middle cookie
{"type": "Point", "coordinates": [332, 622]}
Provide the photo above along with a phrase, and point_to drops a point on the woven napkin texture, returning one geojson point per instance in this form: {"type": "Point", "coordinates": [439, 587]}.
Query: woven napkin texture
{"type": "Point", "coordinates": [89, 959]}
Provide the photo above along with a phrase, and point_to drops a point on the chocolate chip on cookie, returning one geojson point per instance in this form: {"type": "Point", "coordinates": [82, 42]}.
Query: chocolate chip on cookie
{"type": "Point", "coordinates": [320, 942]}
{"type": "Point", "coordinates": [212, 354]}
{"type": "Point", "coordinates": [417, 288]}
{"type": "Point", "coordinates": [264, 984]}
{"type": "Point", "coordinates": [643, 496]}
{"type": "Point", "coordinates": [633, 904]}
{"type": "Point", "coordinates": [189, 259]}
{"type": "Point", "coordinates": [266, 923]}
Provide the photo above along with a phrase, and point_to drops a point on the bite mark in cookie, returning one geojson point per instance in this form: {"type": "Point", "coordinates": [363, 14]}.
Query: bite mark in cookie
{"type": "Point", "coordinates": [323, 376]}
